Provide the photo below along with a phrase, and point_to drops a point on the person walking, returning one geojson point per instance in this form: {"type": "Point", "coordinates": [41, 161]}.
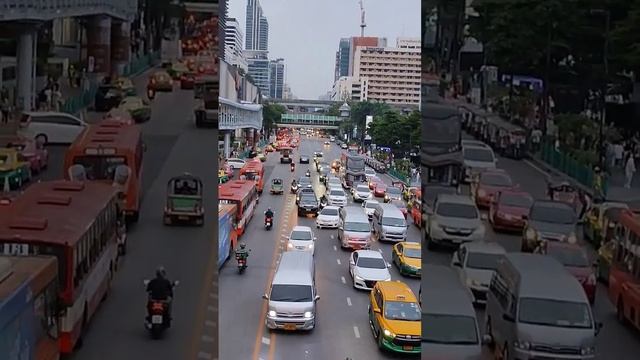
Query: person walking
{"type": "Point", "coordinates": [618, 151]}
{"type": "Point", "coordinates": [629, 171]}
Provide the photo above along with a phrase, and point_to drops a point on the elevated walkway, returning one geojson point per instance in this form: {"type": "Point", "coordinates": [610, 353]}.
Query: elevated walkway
{"type": "Point", "coordinates": [309, 121]}
{"type": "Point", "coordinates": [233, 115]}
{"type": "Point", "coordinates": [46, 10]}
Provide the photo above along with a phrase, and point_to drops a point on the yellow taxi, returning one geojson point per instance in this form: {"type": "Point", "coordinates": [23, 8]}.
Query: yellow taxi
{"type": "Point", "coordinates": [262, 156]}
{"type": "Point", "coordinates": [407, 256]}
{"type": "Point", "coordinates": [395, 317]}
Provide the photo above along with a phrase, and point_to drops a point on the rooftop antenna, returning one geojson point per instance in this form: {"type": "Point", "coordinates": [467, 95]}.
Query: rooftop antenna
{"type": "Point", "coordinates": [362, 23]}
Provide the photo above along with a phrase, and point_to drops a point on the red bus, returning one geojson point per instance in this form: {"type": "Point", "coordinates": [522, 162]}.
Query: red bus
{"type": "Point", "coordinates": [103, 147]}
{"type": "Point", "coordinates": [77, 222]}
{"type": "Point", "coordinates": [29, 307]}
{"type": "Point", "coordinates": [244, 195]}
{"type": "Point", "coordinates": [624, 273]}
{"type": "Point", "coordinates": [253, 170]}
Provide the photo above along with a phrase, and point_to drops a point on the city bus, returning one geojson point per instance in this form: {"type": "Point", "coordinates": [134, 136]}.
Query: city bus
{"type": "Point", "coordinates": [244, 195]}
{"type": "Point", "coordinates": [253, 170]}
{"type": "Point", "coordinates": [227, 235]}
{"type": "Point", "coordinates": [103, 147]}
{"type": "Point", "coordinates": [624, 273]}
{"type": "Point", "coordinates": [77, 222]}
{"type": "Point", "coordinates": [29, 307]}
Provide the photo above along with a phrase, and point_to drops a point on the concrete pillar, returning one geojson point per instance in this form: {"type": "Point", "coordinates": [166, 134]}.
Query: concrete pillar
{"type": "Point", "coordinates": [25, 67]}
{"type": "Point", "coordinates": [120, 45]}
{"type": "Point", "coordinates": [227, 144]}
{"type": "Point", "coordinates": [98, 44]}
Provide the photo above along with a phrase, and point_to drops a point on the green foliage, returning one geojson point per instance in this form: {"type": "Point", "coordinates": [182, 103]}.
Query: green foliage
{"type": "Point", "coordinates": [625, 37]}
{"type": "Point", "coordinates": [393, 129]}
{"type": "Point", "coordinates": [360, 110]}
{"type": "Point", "coordinates": [271, 114]}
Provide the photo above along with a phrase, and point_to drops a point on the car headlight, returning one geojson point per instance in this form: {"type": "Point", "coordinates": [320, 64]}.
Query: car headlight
{"type": "Point", "coordinates": [530, 234]}
{"type": "Point", "coordinates": [524, 345]}
{"type": "Point", "coordinates": [272, 313]}
{"type": "Point", "coordinates": [289, 246]}
{"type": "Point", "coordinates": [310, 246]}
{"type": "Point", "coordinates": [589, 350]}
{"type": "Point", "coordinates": [472, 282]}
{"type": "Point", "coordinates": [389, 334]}
{"type": "Point", "coordinates": [308, 314]}
{"type": "Point", "coordinates": [358, 278]}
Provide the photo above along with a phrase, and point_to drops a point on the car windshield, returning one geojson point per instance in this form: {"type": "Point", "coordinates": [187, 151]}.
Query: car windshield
{"type": "Point", "coordinates": [449, 329]}
{"type": "Point", "coordinates": [464, 211]}
{"type": "Point", "coordinates": [500, 180]}
{"type": "Point", "coordinates": [369, 172]}
{"type": "Point", "coordinates": [100, 167]}
{"type": "Point", "coordinates": [304, 157]}
{"type": "Point", "coordinates": [553, 214]}
{"type": "Point", "coordinates": [556, 313]}
{"type": "Point", "coordinates": [412, 253]}
{"type": "Point", "coordinates": [371, 263]}
{"type": "Point", "coordinates": [399, 204]}
{"type": "Point", "coordinates": [516, 200]}
{"type": "Point", "coordinates": [329, 212]}
{"type": "Point", "coordinates": [277, 182]}
{"type": "Point", "coordinates": [394, 221]}
{"type": "Point", "coordinates": [370, 204]}
{"type": "Point", "coordinates": [291, 293]}
{"type": "Point", "coordinates": [304, 181]}
{"type": "Point", "coordinates": [308, 198]}
{"type": "Point", "coordinates": [569, 256]}
{"type": "Point", "coordinates": [300, 235]}
{"type": "Point", "coordinates": [482, 261]}
{"type": "Point", "coordinates": [478, 154]}
{"type": "Point", "coordinates": [336, 193]}
{"type": "Point", "coordinates": [400, 310]}
{"type": "Point", "coordinates": [431, 194]}
{"type": "Point", "coordinates": [357, 227]}
{"type": "Point", "coordinates": [362, 188]}
{"type": "Point", "coordinates": [392, 190]}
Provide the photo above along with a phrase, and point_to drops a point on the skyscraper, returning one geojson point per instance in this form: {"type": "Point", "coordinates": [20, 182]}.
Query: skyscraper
{"type": "Point", "coordinates": [259, 69]}
{"type": "Point", "coordinates": [342, 58]}
{"type": "Point", "coordinates": [257, 27]}
{"type": "Point", "coordinates": [276, 80]}
{"type": "Point", "coordinates": [233, 44]}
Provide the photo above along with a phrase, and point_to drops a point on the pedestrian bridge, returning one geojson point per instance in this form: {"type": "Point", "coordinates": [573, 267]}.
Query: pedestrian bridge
{"type": "Point", "coordinates": [309, 121]}
{"type": "Point", "coordinates": [233, 115]}
{"type": "Point", "coordinates": [46, 10]}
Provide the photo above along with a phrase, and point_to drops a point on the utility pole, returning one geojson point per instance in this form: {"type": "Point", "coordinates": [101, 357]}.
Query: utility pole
{"type": "Point", "coordinates": [603, 90]}
{"type": "Point", "coordinates": [545, 88]}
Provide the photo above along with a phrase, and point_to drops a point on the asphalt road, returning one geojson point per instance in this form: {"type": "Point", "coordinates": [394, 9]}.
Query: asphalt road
{"type": "Point", "coordinates": [117, 331]}
{"type": "Point", "coordinates": [342, 327]}
{"type": "Point", "coordinates": [614, 341]}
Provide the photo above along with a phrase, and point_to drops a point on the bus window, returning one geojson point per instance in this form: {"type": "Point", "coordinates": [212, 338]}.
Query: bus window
{"type": "Point", "coordinates": [100, 167]}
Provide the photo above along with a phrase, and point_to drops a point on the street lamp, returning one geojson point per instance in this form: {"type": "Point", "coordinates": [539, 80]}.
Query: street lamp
{"type": "Point", "coordinates": [603, 90]}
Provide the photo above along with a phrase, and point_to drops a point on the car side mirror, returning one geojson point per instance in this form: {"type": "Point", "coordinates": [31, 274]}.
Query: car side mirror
{"type": "Point", "coordinates": [507, 317]}
{"type": "Point", "coordinates": [176, 283]}
{"type": "Point", "coordinates": [316, 298]}
{"type": "Point", "coordinates": [525, 217]}
{"type": "Point", "coordinates": [484, 216]}
{"type": "Point", "coordinates": [340, 227]}
{"type": "Point", "coordinates": [388, 265]}
{"type": "Point", "coordinates": [145, 282]}
{"type": "Point", "coordinates": [487, 339]}
{"type": "Point", "coordinates": [599, 326]}
{"type": "Point", "coordinates": [377, 310]}
{"type": "Point", "coordinates": [265, 296]}
{"type": "Point", "coordinates": [456, 263]}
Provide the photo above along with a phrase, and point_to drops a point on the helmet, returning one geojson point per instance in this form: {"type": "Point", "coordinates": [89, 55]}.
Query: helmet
{"type": "Point", "coordinates": [161, 272]}
{"type": "Point", "coordinates": [243, 245]}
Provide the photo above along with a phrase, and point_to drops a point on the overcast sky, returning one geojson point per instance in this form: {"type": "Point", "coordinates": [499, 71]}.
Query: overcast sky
{"type": "Point", "coordinates": [306, 33]}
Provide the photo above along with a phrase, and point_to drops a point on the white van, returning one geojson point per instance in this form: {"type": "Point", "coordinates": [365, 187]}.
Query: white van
{"type": "Point", "coordinates": [292, 295]}
{"type": "Point", "coordinates": [389, 223]}
{"type": "Point", "coordinates": [51, 127]}
{"type": "Point", "coordinates": [354, 230]}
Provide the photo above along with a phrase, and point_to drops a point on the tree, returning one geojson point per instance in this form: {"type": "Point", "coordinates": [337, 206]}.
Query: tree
{"type": "Point", "coordinates": [360, 110]}
{"type": "Point", "coordinates": [395, 130]}
{"type": "Point", "coordinates": [625, 39]}
{"type": "Point", "coordinates": [271, 114]}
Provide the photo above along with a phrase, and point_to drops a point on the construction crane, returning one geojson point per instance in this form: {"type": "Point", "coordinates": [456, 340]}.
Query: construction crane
{"type": "Point", "coordinates": [362, 23]}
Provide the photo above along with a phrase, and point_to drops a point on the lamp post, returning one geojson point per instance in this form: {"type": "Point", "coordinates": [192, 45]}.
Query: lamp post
{"type": "Point", "coordinates": [603, 91]}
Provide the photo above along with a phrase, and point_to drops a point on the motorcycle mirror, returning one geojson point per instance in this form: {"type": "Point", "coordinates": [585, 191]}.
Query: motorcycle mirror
{"type": "Point", "coordinates": [146, 282]}
{"type": "Point", "coordinates": [265, 296]}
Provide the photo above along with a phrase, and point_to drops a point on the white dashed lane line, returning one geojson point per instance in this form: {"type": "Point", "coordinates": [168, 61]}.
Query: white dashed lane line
{"type": "Point", "coordinates": [356, 332]}
{"type": "Point", "coordinates": [335, 248]}
{"type": "Point", "coordinates": [344, 281]}
{"type": "Point", "coordinates": [349, 301]}
{"type": "Point", "coordinates": [338, 260]}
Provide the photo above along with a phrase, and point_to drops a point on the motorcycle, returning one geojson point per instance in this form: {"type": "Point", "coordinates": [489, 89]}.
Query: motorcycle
{"type": "Point", "coordinates": [158, 319]}
{"type": "Point", "coordinates": [242, 262]}
{"type": "Point", "coordinates": [268, 222]}
{"type": "Point", "coordinates": [308, 173]}
{"type": "Point", "coordinates": [294, 188]}
{"type": "Point", "coordinates": [293, 167]}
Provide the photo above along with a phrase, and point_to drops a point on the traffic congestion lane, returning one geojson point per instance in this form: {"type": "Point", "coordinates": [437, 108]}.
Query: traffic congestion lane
{"type": "Point", "coordinates": [173, 147]}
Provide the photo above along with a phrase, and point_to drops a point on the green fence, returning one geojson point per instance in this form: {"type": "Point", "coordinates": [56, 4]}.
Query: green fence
{"type": "Point", "coordinates": [75, 104]}
{"type": "Point", "coordinates": [400, 176]}
{"type": "Point", "coordinates": [569, 166]}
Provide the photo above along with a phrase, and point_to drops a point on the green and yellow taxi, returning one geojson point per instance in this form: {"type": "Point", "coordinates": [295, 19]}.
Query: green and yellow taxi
{"type": "Point", "coordinates": [594, 227]}
{"type": "Point", "coordinates": [177, 69]}
{"type": "Point", "coordinates": [395, 317]}
{"type": "Point", "coordinates": [261, 156]}
{"type": "Point", "coordinates": [15, 169]}
{"type": "Point", "coordinates": [126, 86]}
{"type": "Point", "coordinates": [138, 107]}
{"type": "Point", "coordinates": [407, 256]}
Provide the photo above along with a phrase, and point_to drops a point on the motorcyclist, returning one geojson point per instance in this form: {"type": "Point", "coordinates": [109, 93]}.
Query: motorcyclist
{"type": "Point", "coordinates": [160, 288]}
{"type": "Point", "coordinates": [242, 252]}
{"type": "Point", "coordinates": [293, 166]}
{"type": "Point", "coordinates": [308, 173]}
{"type": "Point", "coordinates": [268, 215]}
{"type": "Point", "coordinates": [294, 183]}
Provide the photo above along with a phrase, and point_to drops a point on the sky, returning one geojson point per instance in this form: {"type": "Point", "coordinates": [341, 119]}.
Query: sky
{"type": "Point", "coordinates": [306, 33]}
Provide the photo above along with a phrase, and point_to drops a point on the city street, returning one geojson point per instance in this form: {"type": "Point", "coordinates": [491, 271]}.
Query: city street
{"type": "Point", "coordinates": [342, 328]}
{"type": "Point", "coordinates": [615, 341]}
{"type": "Point", "coordinates": [117, 331]}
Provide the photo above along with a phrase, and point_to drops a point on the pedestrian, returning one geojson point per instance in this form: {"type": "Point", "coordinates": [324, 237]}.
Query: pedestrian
{"type": "Point", "coordinates": [618, 151]}
{"type": "Point", "coordinates": [536, 137]}
{"type": "Point", "coordinates": [56, 97]}
{"type": "Point", "coordinates": [629, 170]}
{"type": "Point", "coordinates": [71, 74]}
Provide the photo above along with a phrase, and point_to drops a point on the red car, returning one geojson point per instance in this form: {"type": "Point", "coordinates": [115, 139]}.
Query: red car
{"type": "Point", "coordinates": [488, 184]}
{"type": "Point", "coordinates": [33, 151]}
{"type": "Point", "coordinates": [372, 182]}
{"type": "Point", "coordinates": [508, 209]}
{"type": "Point", "coordinates": [379, 189]}
{"type": "Point", "coordinates": [187, 81]}
{"type": "Point", "coordinates": [576, 260]}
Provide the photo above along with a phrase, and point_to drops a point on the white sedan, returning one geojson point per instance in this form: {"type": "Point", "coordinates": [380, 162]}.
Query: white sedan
{"type": "Point", "coordinates": [328, 217]}
{"type": "Point", "coordinates": [336, 197]}
{"type": "Point", "coordinates": [369, 207]}
{"type": "Point", "coordinates": [362, 193]}
{"type": "Point", "coordinates": [301, 239]}
{"type": "Point", "coordinates": [235, 163]}
{"type": "Point", "coordinates": [368, 267]}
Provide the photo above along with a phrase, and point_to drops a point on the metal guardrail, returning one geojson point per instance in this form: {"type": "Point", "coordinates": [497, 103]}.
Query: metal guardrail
{"type": "Point", "coordinates": [45, 10]}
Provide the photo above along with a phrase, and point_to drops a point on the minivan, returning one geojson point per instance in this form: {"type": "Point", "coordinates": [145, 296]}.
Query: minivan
{"type": "Point", "coordinates": [292, 295]}
{"type": "Point", "coordinates": [50, 127]}
{"type": "Point", "coordinates": [536, 308]}
{"type": "Point", "coordinates": [389, 223]}
{"type": "Point", "coordinates": [354, 230]}
{"type": "Point", "coordinates": [450, 327]}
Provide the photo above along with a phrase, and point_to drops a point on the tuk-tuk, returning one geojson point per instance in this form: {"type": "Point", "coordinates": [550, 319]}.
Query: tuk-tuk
{"type": "Point", "coordinates": [184, 200]}
{"type": "Point", "coordinates": [277, 186]}
{"type": "Point", "coordinates": [562, 191]}
{"type": "Point", "coordinates": [415, 210]}
{"type": "Point", "coordinates": [599, 219]}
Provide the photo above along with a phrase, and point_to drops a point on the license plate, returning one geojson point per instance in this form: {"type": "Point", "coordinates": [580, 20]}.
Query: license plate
{"type": "Point", "coordinates": [289, 326]}
{"type": "Point", "coordinates": [156, 319]}
{"type": "Point", "coordinates": [407, 348]}
{"type": "Point", "coordinates": [183, 217]}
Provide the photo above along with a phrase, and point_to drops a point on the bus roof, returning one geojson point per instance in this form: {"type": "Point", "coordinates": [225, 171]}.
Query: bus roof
{"type": "Point", "coordinates": [107, 134]}
{"type": "Point", "coordinates": [18, 270]}
{"type": "Point", "coordinates": [235, 190]}
{"type": "Point", "coordinates": [252, 165]}
{"type": "Point", "coordinates": [57, 212]}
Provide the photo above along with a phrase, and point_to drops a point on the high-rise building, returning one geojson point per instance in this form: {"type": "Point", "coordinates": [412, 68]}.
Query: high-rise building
{"type": "Point", "coordinates": [258, 69]}
{"type": "Point", "coordinates": [358, 41]}
{"type": "Point", "coordinates": [257, 27]}
{"type": "Point", "coordinates": [392, 74]}
{"type": "Point", "coordinates": [276, 78]}
{"type": "Point", "coordinates": [233, 37]}
{"type": "Point", "coordinates": [342, 58]}
{"type": "Point", "coordinates": [349, 88]}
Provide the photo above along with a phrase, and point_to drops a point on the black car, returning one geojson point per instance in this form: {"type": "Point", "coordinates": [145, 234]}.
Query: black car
{"type": "Point", "coordinates": [304, 159]}
{"type": "Point", "coordinates": [107, 97]}
{"type": "Point", "coordinates": [305, 182]}
{"type": "Point", "coordinates": [308, 204]}
{"type": "Point", "coordinates": [302, 191]}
